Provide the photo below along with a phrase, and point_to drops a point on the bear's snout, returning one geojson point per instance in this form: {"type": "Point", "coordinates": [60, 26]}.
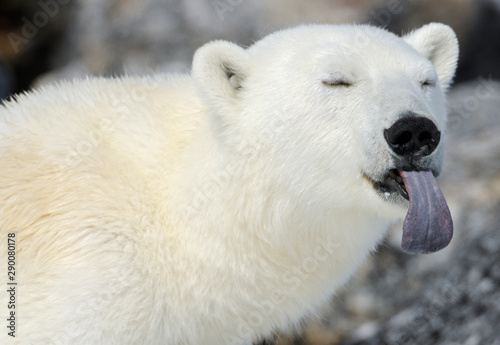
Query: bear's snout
{"type": "Point", "coordinates": [413, 137]}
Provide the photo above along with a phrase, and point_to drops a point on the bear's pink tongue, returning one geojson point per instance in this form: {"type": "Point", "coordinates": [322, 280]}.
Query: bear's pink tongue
{"type": "Point", "coordinates": [428, 226]}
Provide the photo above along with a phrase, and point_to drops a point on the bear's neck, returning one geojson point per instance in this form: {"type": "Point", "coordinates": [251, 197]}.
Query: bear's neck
{"type": "Point", "coordinates": [234, 225]}
{"type": "Point", "coordinates": [228, 193]}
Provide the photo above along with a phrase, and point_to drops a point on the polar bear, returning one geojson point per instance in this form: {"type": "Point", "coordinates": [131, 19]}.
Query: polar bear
{"type": "Point", "coordinates": [220, 207]}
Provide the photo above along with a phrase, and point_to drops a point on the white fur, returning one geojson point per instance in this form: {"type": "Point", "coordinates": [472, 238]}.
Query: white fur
{"type": "Point", "coordinates": [211, 209]}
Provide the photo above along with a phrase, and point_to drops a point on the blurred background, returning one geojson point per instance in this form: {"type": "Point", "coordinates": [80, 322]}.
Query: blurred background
{"type": "Point", "coordinates": [451, 297]}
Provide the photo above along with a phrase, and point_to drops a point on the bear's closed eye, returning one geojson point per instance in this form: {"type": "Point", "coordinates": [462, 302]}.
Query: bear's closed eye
{"type": "Point", "coordinates": [428, 83]}
{"type": "Point", "coordinates": [337, 82]}
{"type": "Point", "coordinates": [337, 79]}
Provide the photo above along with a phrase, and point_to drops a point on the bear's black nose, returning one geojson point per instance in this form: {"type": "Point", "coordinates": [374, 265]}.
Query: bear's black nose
{"type": "Point", "coordinates": [413, 137]}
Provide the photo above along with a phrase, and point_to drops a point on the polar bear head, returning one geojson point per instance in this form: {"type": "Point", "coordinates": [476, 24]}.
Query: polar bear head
{"type": "Point", "coordinates": [345, 116]}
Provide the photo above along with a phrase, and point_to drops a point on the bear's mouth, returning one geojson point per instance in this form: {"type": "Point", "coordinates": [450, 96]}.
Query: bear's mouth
{"type": "Point", "coordinates": [428, 226]}
{"type": "Point", "coordinates": [391, 184]}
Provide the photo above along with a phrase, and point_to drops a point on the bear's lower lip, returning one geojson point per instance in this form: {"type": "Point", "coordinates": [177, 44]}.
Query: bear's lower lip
{"type": "Point", "coordinates": [394, 180]}
{"type": "Point", "coordinates": [391, 184]}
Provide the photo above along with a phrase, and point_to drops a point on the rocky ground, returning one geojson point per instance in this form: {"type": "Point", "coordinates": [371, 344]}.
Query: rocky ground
{"type": "Point", "coordinates": [448, 298]}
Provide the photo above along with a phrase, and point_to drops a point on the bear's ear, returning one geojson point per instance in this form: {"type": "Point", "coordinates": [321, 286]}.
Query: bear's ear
{"type": "Point", "coordinates": [439, 44]}
{"type": "Point", "coordinates": [219, 70]}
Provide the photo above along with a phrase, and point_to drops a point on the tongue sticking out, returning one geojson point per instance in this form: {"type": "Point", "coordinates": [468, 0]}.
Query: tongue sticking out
{"type": "Point", "coordinates": [428, 226]}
